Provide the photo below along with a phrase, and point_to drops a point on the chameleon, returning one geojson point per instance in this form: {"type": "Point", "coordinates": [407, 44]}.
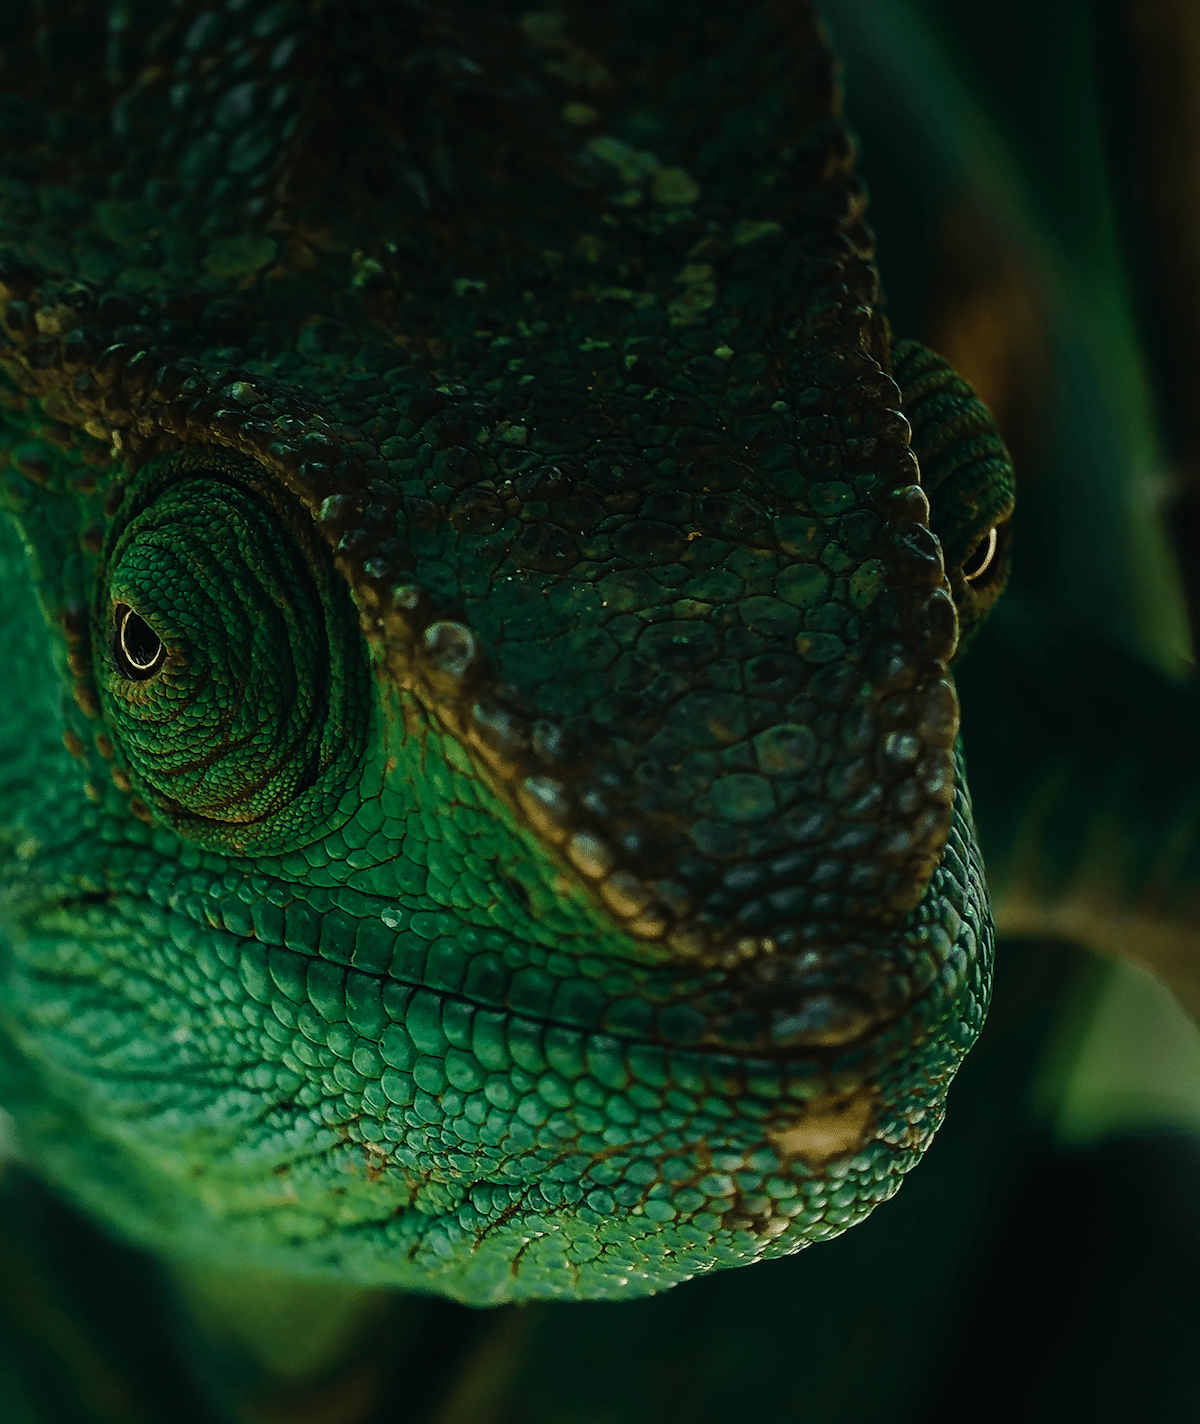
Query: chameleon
{"type": "Point", "coordinates": [483, 810]}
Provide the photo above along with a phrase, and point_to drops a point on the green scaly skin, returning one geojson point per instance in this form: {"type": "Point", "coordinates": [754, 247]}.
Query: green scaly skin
{"type": "Point", "coordinates": [523, 848]}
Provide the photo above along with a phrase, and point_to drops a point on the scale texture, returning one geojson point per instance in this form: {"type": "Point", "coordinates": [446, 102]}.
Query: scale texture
{"type": "Point", "coordinates": [481, 807]}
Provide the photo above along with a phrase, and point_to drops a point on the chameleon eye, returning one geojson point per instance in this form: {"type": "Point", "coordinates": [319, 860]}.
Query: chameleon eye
{"type": "Point", "coordinates": [231, 683]}
{"type": "Point", "coordinates": [981, 557]}
{"type": "Point", "coordinates": [138, 651]}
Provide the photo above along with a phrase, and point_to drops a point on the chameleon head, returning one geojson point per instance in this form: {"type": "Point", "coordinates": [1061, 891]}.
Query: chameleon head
{"type": "Point", "coordinates": [508, 835]}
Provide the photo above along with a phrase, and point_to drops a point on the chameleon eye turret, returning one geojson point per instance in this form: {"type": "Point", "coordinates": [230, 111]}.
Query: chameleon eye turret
{"type": "Point", "coordinates": [138, 651]}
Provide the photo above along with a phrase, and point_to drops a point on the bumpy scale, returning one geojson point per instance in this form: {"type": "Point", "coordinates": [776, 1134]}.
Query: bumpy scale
{"type": "Point", "coordinates": [480, 807]}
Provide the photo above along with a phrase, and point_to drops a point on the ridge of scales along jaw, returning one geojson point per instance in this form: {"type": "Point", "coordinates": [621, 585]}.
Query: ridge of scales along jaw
{"type": "Point", "coordinates": [796, 926]}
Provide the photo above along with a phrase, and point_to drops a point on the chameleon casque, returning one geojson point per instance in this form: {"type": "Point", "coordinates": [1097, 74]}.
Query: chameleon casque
{"type": "Point", "coordinates": [481, 805]}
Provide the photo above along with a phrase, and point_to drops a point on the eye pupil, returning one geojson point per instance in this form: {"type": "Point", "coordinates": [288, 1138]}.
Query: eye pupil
{"type": "Point", "coordinates": [139, 640]}
{"type": "Point", "coordinates": [139, 650]}
{"type": "Point", "coordinates": [980, 558]}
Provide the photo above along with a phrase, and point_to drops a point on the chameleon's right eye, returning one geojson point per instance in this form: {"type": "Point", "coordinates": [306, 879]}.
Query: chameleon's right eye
{"type": "Point", "coordinates": [138, 651]}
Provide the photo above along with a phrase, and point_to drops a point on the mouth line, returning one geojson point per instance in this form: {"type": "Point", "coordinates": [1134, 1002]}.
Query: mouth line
{"type": "Point", "coordinates": [788, 1066]}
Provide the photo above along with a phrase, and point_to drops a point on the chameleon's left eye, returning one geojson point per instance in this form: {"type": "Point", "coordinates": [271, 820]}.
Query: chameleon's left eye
{"type": "Point", "coordinates": [232, 678]}
{"type": "Point", "coordinates": [138, 651]}
{"type": "Point", "coordinates": [981, 557]}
